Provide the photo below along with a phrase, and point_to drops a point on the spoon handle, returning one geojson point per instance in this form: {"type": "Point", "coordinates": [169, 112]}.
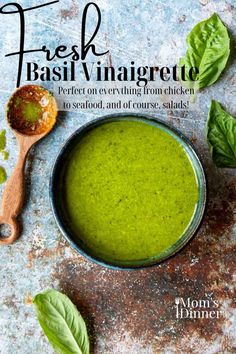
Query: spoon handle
{"type": "Point", "coordinates": [13, 195]}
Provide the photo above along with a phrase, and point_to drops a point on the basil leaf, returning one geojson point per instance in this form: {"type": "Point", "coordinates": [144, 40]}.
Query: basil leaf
{"type": "Point", "coordinates": [221, 136]}
{"type": "Point", "coordinates": [62, 323]}
{"type": "Point", "coordinates": [208, 50]}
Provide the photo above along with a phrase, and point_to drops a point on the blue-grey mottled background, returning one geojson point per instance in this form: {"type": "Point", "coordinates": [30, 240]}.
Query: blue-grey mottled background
{"type": "Point", "coordinates": [127, 312]}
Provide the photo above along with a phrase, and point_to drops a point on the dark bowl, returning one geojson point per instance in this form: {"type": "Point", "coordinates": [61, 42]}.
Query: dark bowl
{"type": "Point", "coordinates": [57, 199]}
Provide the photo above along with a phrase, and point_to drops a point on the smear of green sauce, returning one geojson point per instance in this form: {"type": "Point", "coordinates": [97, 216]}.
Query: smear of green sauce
{"type": "Point", "coordinates": [3, 175]}
{"type": "Point", "coordinates": [130, 191]}
{"type": "Point", "coordinates": [5, 155]}
{"type": "Point", "coordinates": [31, 111]}
{"type": "Point", "coordinates": [2, 139]}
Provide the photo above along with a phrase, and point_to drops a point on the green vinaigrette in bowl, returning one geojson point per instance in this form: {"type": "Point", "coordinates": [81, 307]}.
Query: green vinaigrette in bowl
{"type": "Point", "coordinates": [128, 191]}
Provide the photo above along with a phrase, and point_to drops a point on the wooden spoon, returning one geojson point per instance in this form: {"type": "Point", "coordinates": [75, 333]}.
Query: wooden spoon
{"type": "Point", "coordinates": [31, 113]}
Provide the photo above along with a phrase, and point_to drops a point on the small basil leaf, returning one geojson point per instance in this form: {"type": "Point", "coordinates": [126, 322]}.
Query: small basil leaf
{"type": "Point", "coordinates": [61, 323]}
{"type": "Point", "coordinates": [208, 50]}
{"type": "Point", "coordinates": [221, 136]}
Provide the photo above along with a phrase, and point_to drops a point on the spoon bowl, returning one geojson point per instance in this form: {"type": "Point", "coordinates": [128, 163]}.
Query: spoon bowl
{"type": "Point", "coordinates": [31, 110]}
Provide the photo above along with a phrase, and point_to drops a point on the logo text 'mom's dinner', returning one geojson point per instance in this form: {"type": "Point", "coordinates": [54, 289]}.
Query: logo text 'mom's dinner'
{"type": "Point", "coordinates": [194, 309]}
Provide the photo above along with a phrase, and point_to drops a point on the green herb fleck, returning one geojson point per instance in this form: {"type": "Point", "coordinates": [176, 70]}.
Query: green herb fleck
{"type": "Point", "coordinates": [5, 154]}
{"type": "Point", "coordinates": [3, 175]}
{"type": "Point", "coordinates": [2, 139]}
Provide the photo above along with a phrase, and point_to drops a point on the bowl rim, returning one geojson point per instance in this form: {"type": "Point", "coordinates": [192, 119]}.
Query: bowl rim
{"type": "Point", "coordinates": [53, 178]}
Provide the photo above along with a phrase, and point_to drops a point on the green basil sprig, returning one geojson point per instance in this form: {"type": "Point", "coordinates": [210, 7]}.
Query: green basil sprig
{"type": "Point", "coordinates": [62, 323]}
{"type": "Point", "coordinates": [208, 50]}
{"type": "Point", "coordinates": [221, 136]}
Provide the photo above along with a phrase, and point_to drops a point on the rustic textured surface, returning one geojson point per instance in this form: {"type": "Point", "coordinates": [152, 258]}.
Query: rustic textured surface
{"type": "Point", "coordinates": [127, 312]}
